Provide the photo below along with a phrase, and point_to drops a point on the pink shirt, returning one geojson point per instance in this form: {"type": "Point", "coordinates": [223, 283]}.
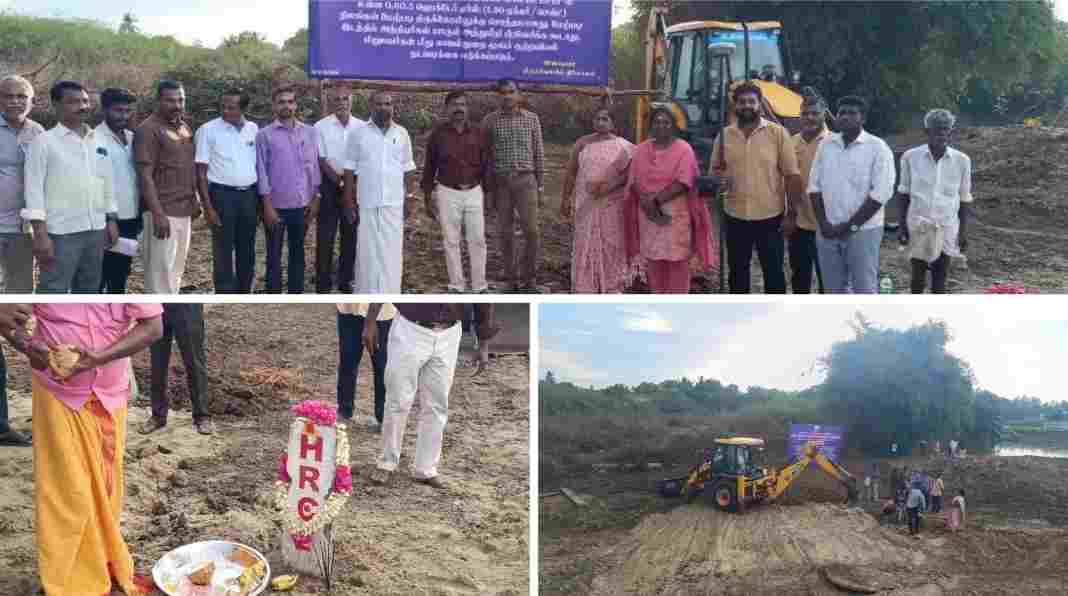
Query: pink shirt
{"type": "Point", "coordinates": [93, 327]}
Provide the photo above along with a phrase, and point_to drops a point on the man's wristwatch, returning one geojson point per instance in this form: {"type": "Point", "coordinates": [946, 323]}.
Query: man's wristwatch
{"type": "Point", "coordinates": [854, 228]}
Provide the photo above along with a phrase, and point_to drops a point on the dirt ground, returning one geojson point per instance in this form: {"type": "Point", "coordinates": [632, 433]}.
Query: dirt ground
{"type": "Point", "coordinates": [404, 538]}
{"type": "Point", "coordinates": [627, 540]}
{"type": "Point", "coordinates": [1017, 235]}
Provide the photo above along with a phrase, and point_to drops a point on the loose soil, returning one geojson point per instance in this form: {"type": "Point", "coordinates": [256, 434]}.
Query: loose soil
{"type": "Point", "coordinates": [404, 538]}
{"type": "Point", "coordinates": [630, 541]}
{"type": "Point", "coordinates": [1018, 230]}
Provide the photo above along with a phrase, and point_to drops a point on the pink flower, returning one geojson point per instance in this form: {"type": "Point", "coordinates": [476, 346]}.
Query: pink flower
{"type": "Point", "coordinates": [343, 480]}
{"type": "Point", "coordinates": [283, 473]}
{"type": "Point", "coordinates": [302, 542]}
{"type": "Point", "coordinates": [1009, 288]}
{"type": "Point", "coordinates": [319, 412]}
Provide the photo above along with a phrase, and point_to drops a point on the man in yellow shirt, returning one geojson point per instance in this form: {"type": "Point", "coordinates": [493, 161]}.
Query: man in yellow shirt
{"type": "Point", "coordinates": [802, 243]}
{"type": "Point", "coordinates": [761, 168]}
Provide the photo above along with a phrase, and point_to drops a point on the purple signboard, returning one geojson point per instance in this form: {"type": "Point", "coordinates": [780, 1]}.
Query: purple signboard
{"type": "Point", "coordinates": [565, 42]}
{"type": "Point", "coordinates": [828, 438]}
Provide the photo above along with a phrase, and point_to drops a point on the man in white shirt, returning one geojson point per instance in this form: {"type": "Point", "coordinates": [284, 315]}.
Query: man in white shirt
{"type": "Point", "coordinates": [851, 180]}
{"type": "Point", "coordinates": [226, 173]}
{"type": "Point", "coordinates": [936, 196]}
{"type": "Point", "coordinates": [70, 200]}
{"type": "Point", "coordinates": [380, 167]}
{"type": "Point", "coordinates": [114, 136]}
{"type": "Point", "coordinates": [334, 131]}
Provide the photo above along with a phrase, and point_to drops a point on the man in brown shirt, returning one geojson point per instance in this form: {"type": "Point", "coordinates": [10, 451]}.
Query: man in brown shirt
{"type": "Point", "coordinates": [452, 190]}
{"type": "Point", "coordinates": [802, 243]}
{"type": "Point", "coordinates": [424, 343]}
{"type": "Point", "coordinates": [761, 168]}
{"type": "Point", "coordinates": [164, 152]}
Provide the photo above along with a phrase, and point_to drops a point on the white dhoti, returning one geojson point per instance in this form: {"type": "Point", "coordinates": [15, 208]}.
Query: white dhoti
{"type": "Point", "coordinates": [929, 238]}
{"type": "Point", "coordinates": [421, 362]}
{"type": "Point", "coordinates": [379, 251]}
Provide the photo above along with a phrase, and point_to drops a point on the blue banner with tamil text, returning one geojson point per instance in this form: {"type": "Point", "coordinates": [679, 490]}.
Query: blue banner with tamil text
{"type": "Point", "coordinates": [565, 42]}
{"type": "Point", "coordinates": [827, 438]}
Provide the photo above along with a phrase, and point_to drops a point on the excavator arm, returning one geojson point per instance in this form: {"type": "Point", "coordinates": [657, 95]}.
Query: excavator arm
{"type": "Point", "coordinates": [786, 477]}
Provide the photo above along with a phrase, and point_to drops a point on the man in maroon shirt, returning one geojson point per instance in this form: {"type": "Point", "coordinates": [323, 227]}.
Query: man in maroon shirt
{"type": "Point", "coordinates": [424, 343]}
{"type": "Point", "coordinates": [455, 166]}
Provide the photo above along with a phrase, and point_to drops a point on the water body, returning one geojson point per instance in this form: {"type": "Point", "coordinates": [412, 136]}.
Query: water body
{"type": "Point", "coordinates": [1010, 450]}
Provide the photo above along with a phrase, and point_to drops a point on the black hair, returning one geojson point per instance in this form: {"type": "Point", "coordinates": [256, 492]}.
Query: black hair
{"type": "Point", "coordinates": [167, 85]}
{"type": "Point", "coordinates": [854, 101]}
{"type": "Point", "coordinates": [116, 96]}
{"type": "Point", "coordinates": [62, 87]}
{"type": "Point", "coordinates": [501, 84]}
{"type": "Point", "coordinates": [243, 100]}
{"type": "Point", "coordinates": [746, 87]}
{"type": "Point", "coordinates": [284, 89]}
{"type": "Point", "coordinates": [453, 96]}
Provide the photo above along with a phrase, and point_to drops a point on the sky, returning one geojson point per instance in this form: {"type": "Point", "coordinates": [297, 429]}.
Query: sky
{"type": "Point", "coordinates": [1013, 351]}
{"type": "Point", "coordinates": [207, 21]}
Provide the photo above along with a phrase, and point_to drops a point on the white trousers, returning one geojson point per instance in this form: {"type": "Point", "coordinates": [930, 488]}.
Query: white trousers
{"type": "Point", "coordinates": [165, 259]}
{"type": "Point", "coordinates": [421, 362]}
{"type": "Point", "coordinates": [459, 210]}
{"type": "Point", "coordinates": [379, 251]}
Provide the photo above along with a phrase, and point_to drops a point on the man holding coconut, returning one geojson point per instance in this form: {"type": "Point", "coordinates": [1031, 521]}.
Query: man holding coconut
{"type": "Point", "coordinates": [81, 386]}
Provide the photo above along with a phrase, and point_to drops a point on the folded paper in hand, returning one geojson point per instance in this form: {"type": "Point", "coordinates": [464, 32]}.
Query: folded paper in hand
{"type": "Point", "coordinates": [125, 246]}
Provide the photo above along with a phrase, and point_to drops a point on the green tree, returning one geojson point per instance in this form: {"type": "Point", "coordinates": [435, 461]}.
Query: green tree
{"type": "Point", "coordinates": [129, 24]}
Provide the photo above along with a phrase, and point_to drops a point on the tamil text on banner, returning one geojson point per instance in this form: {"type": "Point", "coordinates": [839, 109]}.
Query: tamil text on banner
{"type": "Point", "coordinates": [827, 438]}
{"type": "Point", "coordinates": [564, 42]}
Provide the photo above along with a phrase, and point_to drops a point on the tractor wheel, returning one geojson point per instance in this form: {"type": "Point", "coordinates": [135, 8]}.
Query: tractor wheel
{"type": "Point", "coordinates": [725, 496]}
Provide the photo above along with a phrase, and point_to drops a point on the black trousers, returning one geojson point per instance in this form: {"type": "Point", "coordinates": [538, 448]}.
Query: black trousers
{"type": "Point", "coordinates": [291, 224]}
{"type": "Point", "coordinates": [182, 323]}
{"type": "Point", "coordinates": [326, 229]}
{"type": "Point", "coordinates": [764, 235]}
{"type": "Point", "coordinates": [116, 267]}
{"type": "Point", "coordinates": [804, 261]}
{"type": "Point", "coordinates": [350, 352]}
{"type": "Point", "coordinates": [939, 273]}
{"type": "Point", "coordinates": [234, 240]}
{"type": "Point", "coordinates": [914, 520]}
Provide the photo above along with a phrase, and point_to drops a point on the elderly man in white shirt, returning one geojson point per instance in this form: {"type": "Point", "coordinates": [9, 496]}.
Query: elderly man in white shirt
{"type": "Point", "coordinates": [334, 133]}
{"type": "Point", "coordinates": [851, 180]}
{"type": "Point", "coordinates": [116, 139]}
{"type": "Point", "coordinates": [936, 195]}
{"type": "Point", "coordinates": [380, 168]}
{"type": "Point", "coordinates": [70, 198]}
{"type": "Point", "coordinates": [226, 173]}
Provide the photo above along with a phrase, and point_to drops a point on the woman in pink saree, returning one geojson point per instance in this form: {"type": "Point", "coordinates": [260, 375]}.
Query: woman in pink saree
{"type": "Point", "coordinates": [667, 224]}
{"type": "Point", "coordinates": [957, 512]}
{"type": "Point", "coordinates": [593, 193]}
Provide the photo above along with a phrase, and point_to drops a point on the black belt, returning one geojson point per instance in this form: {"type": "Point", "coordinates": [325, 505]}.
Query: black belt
{"type": "Point", "coordinates": [231, 188]}
{"type": "Point", "coordinates": [461, 187]}
{"type": "Point", "coordinates": [435, 325]}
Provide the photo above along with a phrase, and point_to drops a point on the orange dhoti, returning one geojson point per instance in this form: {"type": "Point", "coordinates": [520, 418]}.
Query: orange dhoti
{"type": "Point", "coordinates": [80, 487]}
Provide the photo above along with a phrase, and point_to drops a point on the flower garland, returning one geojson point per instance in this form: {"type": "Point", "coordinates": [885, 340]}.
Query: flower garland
{"type": "Point", "coordinates": [1009, 288]}
{"type": "Point", "coordinates": [299, 530]}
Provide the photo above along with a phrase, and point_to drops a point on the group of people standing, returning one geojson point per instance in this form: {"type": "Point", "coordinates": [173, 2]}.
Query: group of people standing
{"type": "Point", "coordinates": [819, 194]}
{"type": "Point", "coordinates": [916, 492]}
{"type": "Point", "coordinates": [84, 201]}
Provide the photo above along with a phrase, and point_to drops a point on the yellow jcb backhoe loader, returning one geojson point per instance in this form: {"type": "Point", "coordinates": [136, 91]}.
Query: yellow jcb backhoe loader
{"type": "Point", "coordinates": [731, 479]}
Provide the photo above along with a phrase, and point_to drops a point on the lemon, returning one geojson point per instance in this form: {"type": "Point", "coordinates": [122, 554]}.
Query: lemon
{"type": "Point", "coordinates": [283, 583]}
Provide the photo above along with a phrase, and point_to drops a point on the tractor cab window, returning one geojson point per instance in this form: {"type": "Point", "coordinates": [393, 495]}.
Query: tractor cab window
{"type": "Point", "coordinates": [765, 54]}
{"type": "Point", "coordinates": [719, 458]}
{"type": "Point", "coordinates": [683, 80]}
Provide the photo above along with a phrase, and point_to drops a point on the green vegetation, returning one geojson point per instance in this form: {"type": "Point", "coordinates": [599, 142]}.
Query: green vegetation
{"type": "Point", "coordinates": [986, 59]}
{"type": "Point", "coordinates": [884, 385]}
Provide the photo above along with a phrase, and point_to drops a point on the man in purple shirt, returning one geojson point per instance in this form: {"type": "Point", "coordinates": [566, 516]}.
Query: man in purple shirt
{"type": "Point", "coordinates": [287, 164]}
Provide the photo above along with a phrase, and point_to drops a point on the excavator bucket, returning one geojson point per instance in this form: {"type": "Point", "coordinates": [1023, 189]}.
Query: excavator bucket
{"type": "Point", "coordinates": [671, 487]}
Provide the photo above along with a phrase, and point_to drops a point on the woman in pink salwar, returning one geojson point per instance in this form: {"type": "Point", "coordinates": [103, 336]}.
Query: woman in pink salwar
{"type": "Point", "coordinates": [593, 193]}
{"type": "Point", "coordinates": [666, 222]}
{"type": "Point", "coordinates": [957, 512]}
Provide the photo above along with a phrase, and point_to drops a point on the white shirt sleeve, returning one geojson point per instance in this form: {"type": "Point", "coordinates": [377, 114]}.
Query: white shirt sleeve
{"type": "Point", "coordinates": [966, 180]}
{"type": "Point", "coordinates": [109, 189]}
{"type": "Point", "coordinates": [904, 185]}
{"type": "Point", "coordinates": [409, 158]}
{"type": "Point", "coordinates": [352, 151]}
{"type": "Point", "coordinates": [320, 134]}
{"type": "Point", "coordinates": [816, 170]}
{"type": "Point", "coordinates": [36, 168]}
{"type": "Point", "coordinates": [882, 180]}
{"type": "Point", "coordinates": [203, 154]}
